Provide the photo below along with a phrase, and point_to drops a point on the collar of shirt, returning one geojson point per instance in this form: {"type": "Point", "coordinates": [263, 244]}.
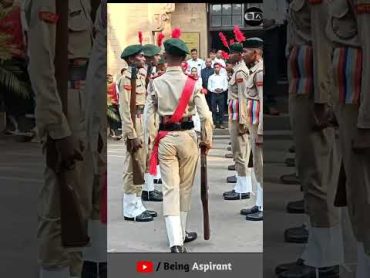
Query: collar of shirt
{"type": "Point", "coordinates": [174, 68]}
{"type": "Point", "coordinates": [257, 66]}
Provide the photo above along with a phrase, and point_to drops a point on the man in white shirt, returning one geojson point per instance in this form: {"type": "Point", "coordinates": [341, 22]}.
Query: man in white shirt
{"type": "Point", "coordinates": [217, 84]}
{"type": "Point", "coordinates": [195, 61]}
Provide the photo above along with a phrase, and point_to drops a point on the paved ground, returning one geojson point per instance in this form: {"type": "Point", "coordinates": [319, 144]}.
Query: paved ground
{"type": "Point", "coordinates": [230, 232]}
{"type": "Point", "coordinates": [20, 179]}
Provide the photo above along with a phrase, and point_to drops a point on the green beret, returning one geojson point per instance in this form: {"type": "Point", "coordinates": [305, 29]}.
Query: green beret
{"type": "Point", "coordinates": [150, 50]}
{"type": "Point", "coordinates": [131, 50]}
{"type": "Point", "coordinates": [176, 47]}
{"type": "Point", "coordinates": [253, 43]}
{"type": "Point", "coordinates": [236, 47]}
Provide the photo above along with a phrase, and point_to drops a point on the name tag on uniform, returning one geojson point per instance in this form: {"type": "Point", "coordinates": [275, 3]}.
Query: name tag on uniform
{"type": "Point", "coordinates": [127, 87]}
{"type": "Point", "coordinates": [75, 13]}
{"type": "Point", "coordinates": [362, 8]}
{"type": "Point", "coordinates": [239, 80]}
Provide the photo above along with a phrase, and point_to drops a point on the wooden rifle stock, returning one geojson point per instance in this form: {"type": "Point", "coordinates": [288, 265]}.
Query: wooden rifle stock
{"type": "Point", "coordinates": [73, 225]}
{"type": "Point", "coordinates": [204, 192]}
{"type": "Point", "coordinates": [138, 175]}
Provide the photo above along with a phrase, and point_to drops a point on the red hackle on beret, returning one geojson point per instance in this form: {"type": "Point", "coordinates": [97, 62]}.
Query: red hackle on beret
{"type": "Point", "coordinates": [160, 38]}
{"type": "Point", "coordinates": [176, 33]}
{"type": "Point", "coordinates": [223, 39]}
{"type": "Point", "coordinates": [239, 36]}
{"type": "Point", "coordinates": [140, 34]}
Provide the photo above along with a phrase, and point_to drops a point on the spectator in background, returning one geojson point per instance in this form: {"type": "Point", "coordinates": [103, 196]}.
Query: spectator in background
{"type": "Point", "coordinates": [217, 84]}
{"type": "Point", "coordinates": [212, 56]}
{"type": "Point", "coordinates": [16, 90]}
{"type": "Point", "coordinates": [114, 119]}
{"type": "Point", "coordinates": [196, 119]}
{"type": "Point", "coordinates": [205, 74]}
{"type": "Point", "coordinates": [195, 61]}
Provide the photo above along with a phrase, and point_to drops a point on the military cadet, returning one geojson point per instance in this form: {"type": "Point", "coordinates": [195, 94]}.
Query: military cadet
{"type": "Point", "coordinates": [152, 57]}
{"type": "Point", "coordinates": [66, 131]}
{"type": "Point", "coordinates": [176, 143]}
{"type": "Point", "coordinates": [315, 145]}
{"type": "Point", "coordinates": [133, 133]}
{"type": "Point", "coordinates": [95, 256]}
{"type": "Point", "coordinates": [253, 93]}
{"type": "Point", "coordinates": [238, 125]}
{"type": "Point", "coordinates": [344, 29]}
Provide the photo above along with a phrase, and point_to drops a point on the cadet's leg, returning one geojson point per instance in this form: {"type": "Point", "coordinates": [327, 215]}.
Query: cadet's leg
{"type": "Point", "coordinates": [318, 170]}
{"type": "Point", "coordinates": [169, 165]}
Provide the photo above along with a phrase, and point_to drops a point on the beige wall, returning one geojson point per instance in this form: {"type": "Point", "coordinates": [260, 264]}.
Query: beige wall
{"type": "Point", "coordinates": [195, 23]}
{"type": "Point", "coordinates": [125, 20]}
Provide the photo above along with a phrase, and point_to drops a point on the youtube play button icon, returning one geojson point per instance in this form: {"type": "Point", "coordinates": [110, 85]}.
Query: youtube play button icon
{"type": "Point", "coordinates": [144, 267]}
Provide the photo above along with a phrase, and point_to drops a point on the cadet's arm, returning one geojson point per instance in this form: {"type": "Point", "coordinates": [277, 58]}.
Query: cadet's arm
{"type": "Point", "coordinates": [205, 117]}
{"type": "Point", "coordinates": [41, 43]}
{"type": "Point", "coordinates": [128, 129]}
{"type": "Point", "coordinates": [241, 80]}
{"type": "Point", "coordinates": [259, 85]}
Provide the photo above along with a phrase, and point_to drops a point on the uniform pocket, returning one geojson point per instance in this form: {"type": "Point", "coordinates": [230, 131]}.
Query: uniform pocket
{"type": "Point", "coordinates": [343, 21]}
{"type": "Point", "coordinates": [297, 5]}
{"type": "Point", "coordinates": [77, 20]}
{"type": "Point", "coordinates": [251, 89]}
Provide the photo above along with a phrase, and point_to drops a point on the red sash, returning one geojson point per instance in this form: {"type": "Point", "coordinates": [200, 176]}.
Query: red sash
{"type": "Point", "coordinates": [176, 117]}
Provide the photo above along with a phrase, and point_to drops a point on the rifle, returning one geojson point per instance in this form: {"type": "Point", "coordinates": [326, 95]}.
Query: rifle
{"type": "Point", "coordinates": [73, 227]}
{"type": "Point", "coordinates": [138, 175]}
{"type": "Point", "coordinates": [204, 192]}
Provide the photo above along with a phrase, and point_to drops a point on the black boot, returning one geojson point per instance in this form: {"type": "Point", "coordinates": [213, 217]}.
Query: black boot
{"type": "Point", "coordinates": [231, 179]}
{"type": "Point", "coordinates": [178, 249]}
{"type": "Point", "coordinates": [153, 196]}
{"type": "Point", "coordinates": [296, 234]}
{"type": "Point", "coordinates": [89, 270]}
{"type": "Point", "coordinates": [295, 207]}
{"type": "Point", "coordinates": [190, 236]}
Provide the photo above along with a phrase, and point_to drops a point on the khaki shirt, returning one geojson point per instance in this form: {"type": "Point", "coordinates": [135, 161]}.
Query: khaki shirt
{"type": "Point", "coordinates": [254, 90]}
{"type": "Point", "coordinates": [299, 23]}
{"type": "Point", "coordinates": [41, 16]}
{"type": "Point", "coordinates": [124, 85]}
{"type": "Point", "coordinates": [164, 98]}
{"type": "Point", "coordinates": [341, 27]}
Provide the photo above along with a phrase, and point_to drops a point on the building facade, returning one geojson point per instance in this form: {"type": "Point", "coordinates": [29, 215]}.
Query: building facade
{"type": "Point", "coordinates": [200, 24]}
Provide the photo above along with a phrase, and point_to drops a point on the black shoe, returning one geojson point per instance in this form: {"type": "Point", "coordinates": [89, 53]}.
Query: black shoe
{"type": "Point", "coordinates": [231, 167]}
{"type": "Point", "coordinates": [89, 270]}
{"type": "Point", "coordinates": [236, 196]}
{"type": "Point", "coordinates": [299, 269]}
{"type": "Point", "coordinates": [290, 162]}
{"type": "Point", "coordinates": [229, 155]}
{"type": "Point", "coordinates": [249, 210]}
{"type": "Point", "coordinates": [228, 192]}
{"type": "Point", "coordinates": [292, 149]}
{"type": "Point", "coordinates": [154, 196]}
{"type": "Point", "coordinates": [103, 270]}
{"type": "Point", "coordinates": [296, 234]}
{"type": "Point", "coordinates": [228, 148]}
{"type": "Point", "coordinates": [258, 216]}
{"type": "Point", "coordinates": [289, 179]}
{"type": "Point", "coordinates": [178, 249]}
{"type": "Point", "coordinates": [158, 181]}
{"type": "Point", "coordinates": [190, 236]}
{"type": "Point", "coordinates": [295, 207]}
{"type": "Point", "coordinates": [231, 179]}
{"type": "Point", "coordinates": [230, 143]}
{"type": "Point", "coordinates": [143, 217]}
{"type": "Point", "coordinates": [152, 213]}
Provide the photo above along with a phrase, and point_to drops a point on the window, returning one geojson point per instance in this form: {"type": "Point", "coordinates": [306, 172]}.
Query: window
{"type": "Point", "coordinates": [226, 15]}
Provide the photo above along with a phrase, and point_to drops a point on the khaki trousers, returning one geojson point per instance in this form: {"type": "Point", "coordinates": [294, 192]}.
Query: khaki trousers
{"type": "Point", "coordinates": [317, 161]}
{"type": "Point", "coordinates": [51, 252]}
{"type": "Point", "coordinates": [239, 148]}
{"type": "Point", "coordinates": [128, 185]}
{"type": "Point", "coordinates": [357, 168]}
{"type": "Point", "coordinates": [257, 154]}
{"type": "Point", "coordinates": [178, 156]}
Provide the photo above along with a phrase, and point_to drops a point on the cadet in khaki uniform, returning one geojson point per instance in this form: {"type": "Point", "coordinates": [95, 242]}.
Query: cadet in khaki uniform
{"type": "Point", "coordinates": [238, 125]}
{"type": "Point", "coordinates": [68, 132]}
{"type": "Point", "coordinates": [177, 150]}
{"type": "Point", "coordinates": [347, 69]}
{"type": "Point", "coordinates": [133, 208]}
{"type": "Point", "coordinates": [316, 151]}
{"type": "Point", "coordinates": [253, 93]}
{"type": "Point", "coordinates": [152, 56]}
{"type": "Point", "coordinates": [95, 256]}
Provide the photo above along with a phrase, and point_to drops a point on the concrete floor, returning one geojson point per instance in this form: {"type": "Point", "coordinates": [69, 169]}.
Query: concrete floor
{"type": "Point", "coordinates": [230, 232]}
